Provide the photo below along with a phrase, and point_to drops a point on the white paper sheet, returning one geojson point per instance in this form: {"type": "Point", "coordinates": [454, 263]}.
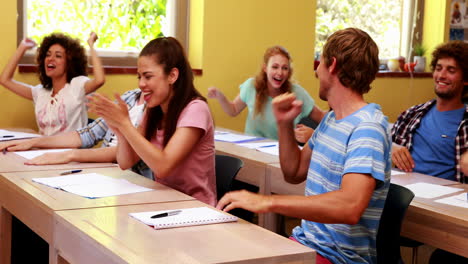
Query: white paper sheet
{"type": "Point", "coordinates": [11, 135]}
{"type": "Point", "coordinates": [92, 185]}
{"type": "Point", "coordinates": [233, 138]}
{"type": "Point", "coordinates": [274, 150]}
{"type": "Point", "coordinates": [184, 217]}
{"type": "Point", "coordinates": [397, 172]}
{"type": "Point", "coordinates": [429, 190]}
{"type": "Point", "coordinates": [460, 200]}
{"type": "Point", "coordinates": [254, 145]}
{"type": "Point", "coordinates": [111, 187]}
{"type": "Point", "coordinates": [31, 154]}
{"type": "Point", "coordinates": [74, 179]}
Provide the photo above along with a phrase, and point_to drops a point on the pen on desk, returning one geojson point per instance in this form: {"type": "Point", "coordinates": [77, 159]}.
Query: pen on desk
{"type": "Point", "coordinates": [8, 136]}
{"type": "Point", "coordinates": [267, 146]}
{"type": "Point", "coordinates": [70, 172]}
{"type": "Point", "coordinates": [166, 214]}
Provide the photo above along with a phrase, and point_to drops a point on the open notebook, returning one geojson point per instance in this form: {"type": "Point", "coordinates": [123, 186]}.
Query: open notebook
{"type": "Point", "coordinates": [186, 217]}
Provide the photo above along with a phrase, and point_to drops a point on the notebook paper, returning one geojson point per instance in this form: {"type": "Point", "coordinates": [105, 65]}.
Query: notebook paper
{"type": "Point", "coordinates": [92, 185]}
{"type": "Point", "coordinates": [460, 200]}
{"type": "Point", "coordinates": [187, 217]}
{"type": "Point", "coordinates": [233, 138]}
{"type": "Point", "coordinates": [31, 154]}
{"type": "Point", "coordinates": [429, 190]}
{"type": "Point", "coordinates": [13, 135]}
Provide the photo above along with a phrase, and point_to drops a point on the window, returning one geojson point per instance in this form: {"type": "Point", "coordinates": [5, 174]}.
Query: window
{"type": "Point", "coordinates": [393, 24]}
{"type": "Point", "coordinates": [123, 26]}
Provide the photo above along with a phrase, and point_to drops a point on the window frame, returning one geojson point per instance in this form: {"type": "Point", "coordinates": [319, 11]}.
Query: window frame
{"type": "Point", "coordinates": [113, 61]}
{"type": "Point", "coordinates": [411, 27]}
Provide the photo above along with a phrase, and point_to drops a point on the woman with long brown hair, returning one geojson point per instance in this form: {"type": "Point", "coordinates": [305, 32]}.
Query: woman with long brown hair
{"type": "Point", "coordinates": [257, 93]}
{"type": "Point", "coordinates": [176, 136]}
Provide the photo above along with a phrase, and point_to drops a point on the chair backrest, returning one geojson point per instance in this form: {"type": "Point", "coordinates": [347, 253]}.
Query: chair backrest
{"type": "Point", "coordinates": [226, 170]}
{"type": "Point", "coordinates": [388, 235]}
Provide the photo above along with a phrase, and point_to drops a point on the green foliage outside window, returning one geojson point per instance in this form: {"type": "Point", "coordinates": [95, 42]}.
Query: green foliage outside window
{"type": "Point", "coordinates": [123, 25]}
{"type": "Point", "coordinates": [380, 19]}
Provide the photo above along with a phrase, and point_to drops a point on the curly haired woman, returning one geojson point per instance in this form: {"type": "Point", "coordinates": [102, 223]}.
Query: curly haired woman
{"type": "Point", "coordinates": [59, 100]}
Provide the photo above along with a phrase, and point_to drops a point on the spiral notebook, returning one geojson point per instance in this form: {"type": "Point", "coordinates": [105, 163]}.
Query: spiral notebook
{"type": "Point", "coordinates": [184, 217]}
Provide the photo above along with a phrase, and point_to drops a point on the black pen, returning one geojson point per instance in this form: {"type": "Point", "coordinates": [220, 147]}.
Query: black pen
{"type": "Point", "coordinates": [166, 214]}
{"type": "Point", "coordinates": [70, 172]}
{"type": "Point", "coordinates": [8, 136]}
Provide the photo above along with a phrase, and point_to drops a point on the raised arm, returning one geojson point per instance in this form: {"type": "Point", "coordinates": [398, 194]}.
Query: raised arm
{"type": "Point", "coordinates": [6, 78]}
{"type": "Point", "coordinates": [231, 108]}
{"type": "Point", "coordinates": [293, 161]}
{"type": "Point", "coordinates": [76, 155]}
{"type": "Point", "coordinates": [316, 114]}
{"type": "Point", "coordinates": [98, 72]}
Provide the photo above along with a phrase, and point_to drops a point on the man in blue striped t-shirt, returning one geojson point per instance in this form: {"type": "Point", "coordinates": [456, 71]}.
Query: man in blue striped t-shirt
{"type": "Point", "coordinates": [346, 162]}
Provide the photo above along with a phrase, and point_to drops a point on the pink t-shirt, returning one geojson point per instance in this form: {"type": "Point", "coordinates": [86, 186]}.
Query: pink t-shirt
{"type": "Point", "coordinates": [195, 175]}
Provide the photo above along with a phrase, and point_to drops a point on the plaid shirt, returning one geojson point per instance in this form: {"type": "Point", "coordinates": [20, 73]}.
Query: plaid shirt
{"type": "Point", "coordinates": [409, 121]}
{"type": "Point", "coordinates": [93, 133]}
{"type": "Point", "coordinates": [98, 130]}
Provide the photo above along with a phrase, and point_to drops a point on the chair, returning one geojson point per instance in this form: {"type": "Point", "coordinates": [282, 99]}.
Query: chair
{"type": "Point", "coordinates": [414, 245]}
{"type": "Point", "coordinates": [227, 168]}
{"type": "Point", "coordinates": [388, 235]}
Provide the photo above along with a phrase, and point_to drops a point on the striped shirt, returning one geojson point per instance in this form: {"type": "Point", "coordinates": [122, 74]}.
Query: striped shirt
{"type": "Point", "coordinates": [358, 143]}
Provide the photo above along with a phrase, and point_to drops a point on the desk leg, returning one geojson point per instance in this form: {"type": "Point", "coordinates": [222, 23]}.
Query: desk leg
{"type": "Point", "coordinates": [269, 220]}
{"type": "Point", "coordinates": [55, 258]}
{"type": "Point", "coordinates": [5, 236]}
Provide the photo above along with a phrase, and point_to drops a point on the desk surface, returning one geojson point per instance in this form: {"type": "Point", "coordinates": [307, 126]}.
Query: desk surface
{"type": "Point", "coordinates": [110, 235]}
{"type": "Point", "coordinates": [433, 223]}
{"type": "Point", "coordinates": [253, 172]}
{"type": "Point", "coordinates": [10, 162]}
{"type": "Point", "coordinates": [34, 203]}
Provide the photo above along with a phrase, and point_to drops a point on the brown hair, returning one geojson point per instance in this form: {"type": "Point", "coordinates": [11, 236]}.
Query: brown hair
{"type": "Point", "coordinates": [357, 58]}
{"type": "Point", "coordinates": [169, 53]}
{"type": "Point", "coordinates": [458, 50]}
{"type": "Point", "coordinates": [75, 56]}
{"type": "Point", "coordinates": [261, 82]}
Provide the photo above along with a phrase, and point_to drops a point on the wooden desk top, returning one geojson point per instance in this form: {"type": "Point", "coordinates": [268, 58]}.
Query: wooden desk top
{"type": "Point", "coordinates": [10, 162]}
{"type": "Point", "coordinates": [60, 200]}
{"type": "Point", "coordinates": [34, 203]}
{"type": "Point", "coordinates": [440, 225]}
{"type": "Point", "coordinates": [278, 185]}
{"type": "Point", "coordinates": [246, 154]}
{"type": "Point", "coordinates": [414, 177]}
{"type": "Point", "coordinates": [110, 235]}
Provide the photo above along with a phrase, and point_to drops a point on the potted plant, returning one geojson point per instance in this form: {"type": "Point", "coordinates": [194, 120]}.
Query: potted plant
{"type": "Point", "coordinates": [419, 59]}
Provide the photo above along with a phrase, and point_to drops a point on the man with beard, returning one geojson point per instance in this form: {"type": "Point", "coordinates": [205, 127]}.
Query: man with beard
{"type": "Point", "coordinates": [430, 138]}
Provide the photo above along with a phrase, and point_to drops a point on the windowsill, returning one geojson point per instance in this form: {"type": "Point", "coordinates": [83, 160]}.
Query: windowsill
{"type": "Point", "coordinates": [32, 68]}
{"type": "Point", "coordinates": [389, 74]}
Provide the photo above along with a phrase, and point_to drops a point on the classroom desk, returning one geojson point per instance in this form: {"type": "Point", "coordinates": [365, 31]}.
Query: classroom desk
{"type": "Point", "coordinates": [254, 170]}
{"type": "Point", "coordinates": [11, 162]}
{"type": "Point", "coordinates": [34, 204]}
{"type": "Point", "coordinates": [439, 225]}
{"type": "Point", "coordinates": [110, 235]}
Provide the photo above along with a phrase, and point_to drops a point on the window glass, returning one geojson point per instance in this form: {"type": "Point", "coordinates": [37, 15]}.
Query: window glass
{"type": "Point", "coordinates": [381, 19]}
{"type": "Point", "coordinates": [122, 25]}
